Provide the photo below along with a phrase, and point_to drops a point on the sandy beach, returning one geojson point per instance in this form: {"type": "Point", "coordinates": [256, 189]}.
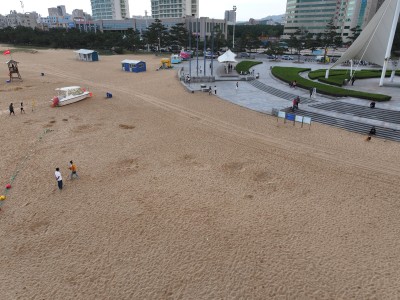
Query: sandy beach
{"type": "Point", "coordinates": [185, 196]}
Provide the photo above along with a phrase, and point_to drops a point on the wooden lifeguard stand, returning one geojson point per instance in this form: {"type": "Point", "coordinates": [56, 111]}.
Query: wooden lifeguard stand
{"type": "Point", "coordinates": [13, 70]}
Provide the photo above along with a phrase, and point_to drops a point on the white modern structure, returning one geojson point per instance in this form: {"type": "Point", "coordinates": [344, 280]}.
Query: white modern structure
{"type": "Point", "coordinates": [110, 9]}
{"type": "Point", "coordinates": [161, 9]}
{"type": "Point", "coordinates": [375, 42]}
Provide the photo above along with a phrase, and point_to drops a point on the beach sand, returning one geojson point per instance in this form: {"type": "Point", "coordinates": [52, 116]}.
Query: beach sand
{"type": "Point", "coordinates": [185, 196]}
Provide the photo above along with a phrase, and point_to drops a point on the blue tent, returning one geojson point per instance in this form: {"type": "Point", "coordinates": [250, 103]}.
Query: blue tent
{"type": "Point", "coordinates": [135, 66]}
{"type": "Point", "coordinates": [87, 55]}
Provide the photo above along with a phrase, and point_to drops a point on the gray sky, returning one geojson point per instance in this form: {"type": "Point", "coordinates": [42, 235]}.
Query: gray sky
{"type": "Point", "coordinates": [208, 8]}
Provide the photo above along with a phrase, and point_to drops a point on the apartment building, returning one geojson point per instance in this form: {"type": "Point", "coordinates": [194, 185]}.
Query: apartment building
{"type": "Point", "coordinates": [110, 9]}
{"type": "Point", "coordinates": [161, 9]}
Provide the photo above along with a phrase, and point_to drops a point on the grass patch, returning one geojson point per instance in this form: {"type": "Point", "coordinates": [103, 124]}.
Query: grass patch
{"type": "Point", "coordinates": [290, 74]}
{"type": "Point", "coordinates": [244, 66]}
{"type": "Point", "coordinates": [338, 77]}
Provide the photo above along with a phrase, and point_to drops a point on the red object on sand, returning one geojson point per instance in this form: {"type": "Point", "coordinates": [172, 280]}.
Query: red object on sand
{"type": "Point", "coordinates": [8, 186]}
{"type": "Point", "coordinates": [6, 52]}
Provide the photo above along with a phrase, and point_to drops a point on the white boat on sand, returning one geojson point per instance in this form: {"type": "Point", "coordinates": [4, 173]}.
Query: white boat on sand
{"type": "Point", "coordinates": [70, 94]}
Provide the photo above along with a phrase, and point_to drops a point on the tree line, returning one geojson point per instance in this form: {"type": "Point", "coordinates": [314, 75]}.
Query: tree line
{"type": "Point", "coordinates": [157, 36]}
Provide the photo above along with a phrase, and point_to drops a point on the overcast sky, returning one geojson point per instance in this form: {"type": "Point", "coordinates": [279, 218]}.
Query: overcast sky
{"type": "Point", "coordinates": [246, 9]}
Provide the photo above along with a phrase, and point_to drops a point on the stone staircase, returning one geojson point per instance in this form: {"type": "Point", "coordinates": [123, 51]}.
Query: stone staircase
{"type": "Point", "coordinates": [362, 128]}
{"type": "Point", "coordinates": [385, 115]}
{"type": "Point", "coordinates": [279, 93]}
{"type": "Point", "coordinates": [354, 110]}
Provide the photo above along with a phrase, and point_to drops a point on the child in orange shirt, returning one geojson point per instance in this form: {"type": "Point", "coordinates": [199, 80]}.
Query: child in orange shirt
{"type": "Point", "coordinates": [73, 169]}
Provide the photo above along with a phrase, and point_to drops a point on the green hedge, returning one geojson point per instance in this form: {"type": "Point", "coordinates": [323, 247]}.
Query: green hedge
{"type": "Point", "coordinates": [290, 74]}
{"type": "Point", "coordinates": [244, 66]}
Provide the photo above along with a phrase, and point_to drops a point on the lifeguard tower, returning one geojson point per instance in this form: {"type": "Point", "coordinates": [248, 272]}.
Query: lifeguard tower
{"type": "Point", "coordinates": [13, 71]}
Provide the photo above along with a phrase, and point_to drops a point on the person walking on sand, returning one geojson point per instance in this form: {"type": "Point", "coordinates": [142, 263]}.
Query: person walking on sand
{"type": "Point", "coordinates": [215, 89]}
{"type": "Point", "coordinates": [58, 176]}
{"type": "Point", "coordinates": [11, 108]}
{"type": "Point", "coordinates": [210, 90]}
{"type": "Point", "coordinates": [73, 169]}
{"type": "Point", "coordinates": [22, 108]}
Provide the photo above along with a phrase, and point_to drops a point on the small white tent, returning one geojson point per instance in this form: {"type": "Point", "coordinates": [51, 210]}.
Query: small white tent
{"type": "Point", "coordinates": [227, 57]}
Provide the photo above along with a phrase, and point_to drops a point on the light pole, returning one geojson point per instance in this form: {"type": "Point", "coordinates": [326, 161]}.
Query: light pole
{"type": "Point", "coordinates": [234, 23]}
{"type": "Point", "coordinates": [159, 45]}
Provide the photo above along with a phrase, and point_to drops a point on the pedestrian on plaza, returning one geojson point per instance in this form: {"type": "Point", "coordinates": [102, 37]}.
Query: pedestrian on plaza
{"type": "Point", "coordinates": [296, 102]}
{"type": "Point", "coordinates": [58, 176]}
{"type": "Point", "coordinates": [352, 80]}
{"type": "Point", "coordinates": [372, 131]}
{"type": "Point", "coordinates": [11, 108]}
{"type": "Point", "coordinates": [372, 104]}
{"type": "Point", "coordinates": [311, 92]}
{"type": "Point", "coordinates": [237, 85]}
{"type": "Point", "coordinates": [73, 169]}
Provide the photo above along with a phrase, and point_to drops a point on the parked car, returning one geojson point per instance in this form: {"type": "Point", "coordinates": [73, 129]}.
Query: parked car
{"type": "Point", "coordinates": [287, 57]}
{"type": "Point", "coordinates": [271, 56]}
{"type": "Point", "coordinates": [244, 55]}
{"type": "Point", "coordinates": [209, 55]}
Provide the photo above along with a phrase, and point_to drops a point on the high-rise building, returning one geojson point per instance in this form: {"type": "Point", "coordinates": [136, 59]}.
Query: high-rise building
{"type": "Point", "coordinates": [161, 9]}
{"type": "Point", "coordinates": [110, 9]}
{"type": "Point", "coordinates": [314, 15]}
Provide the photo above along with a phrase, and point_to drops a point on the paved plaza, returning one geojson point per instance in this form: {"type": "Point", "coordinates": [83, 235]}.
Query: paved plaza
{"type": "Point", "coordinates": [268, 94]}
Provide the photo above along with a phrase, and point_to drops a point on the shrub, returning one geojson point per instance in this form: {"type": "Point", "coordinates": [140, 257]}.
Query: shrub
{"type": "Point", "coordinates": [244, 66]}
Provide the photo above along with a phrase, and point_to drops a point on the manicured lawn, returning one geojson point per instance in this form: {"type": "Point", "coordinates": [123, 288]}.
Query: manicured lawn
{"type": "Point", "coordinates": [290, 74]}
{"type": "Point", "coordinates": [337, 77]}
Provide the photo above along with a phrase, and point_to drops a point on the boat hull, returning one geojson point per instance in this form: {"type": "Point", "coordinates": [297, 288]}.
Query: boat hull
{"type": "Point", "coordinates": [73, 99]}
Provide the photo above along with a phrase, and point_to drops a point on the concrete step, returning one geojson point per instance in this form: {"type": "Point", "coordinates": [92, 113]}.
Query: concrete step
{"type": "Point", "coordinates": [385, 115]}
{"type": "Point", "coordinates": [279, 93]}
{"type": "Point", "coordinates": [381, 132]}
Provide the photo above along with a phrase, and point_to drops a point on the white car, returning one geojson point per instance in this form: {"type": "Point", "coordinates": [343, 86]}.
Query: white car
{"type": "Point", "coordinates": [287, 57]}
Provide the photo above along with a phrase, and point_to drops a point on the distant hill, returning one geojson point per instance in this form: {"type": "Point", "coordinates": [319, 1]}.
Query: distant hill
{"type": "Point", "coordinates": [276, 18]}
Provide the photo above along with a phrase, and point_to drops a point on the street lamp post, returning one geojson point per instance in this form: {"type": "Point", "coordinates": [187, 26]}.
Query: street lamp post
{"type": "Point", "coordinates": [234, 23]}
{"type": "Point", "coordinates": [159, 45]}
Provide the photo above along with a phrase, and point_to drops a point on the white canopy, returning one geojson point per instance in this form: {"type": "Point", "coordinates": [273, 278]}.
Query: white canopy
{"type": "Point", "coordinates": [228, 56]}
{"type": "Point", "coordinates": [84, 51]}
{"type": "Point", "coordinates": [130, 61]}
{"type": "Point", "coordinates": [375, 41]}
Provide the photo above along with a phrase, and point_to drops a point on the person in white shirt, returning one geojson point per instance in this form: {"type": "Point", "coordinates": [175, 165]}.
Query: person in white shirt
{"type": "Point", "coordinates": [58, 176]}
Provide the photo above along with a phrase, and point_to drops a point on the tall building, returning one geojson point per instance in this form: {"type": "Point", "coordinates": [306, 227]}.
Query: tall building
{"type": "Point", "coordinates": [161, 9]}
{"type": "Point", "coordinates": [110, 9]}
{"type": "Point", "coordinates": [314, 15]}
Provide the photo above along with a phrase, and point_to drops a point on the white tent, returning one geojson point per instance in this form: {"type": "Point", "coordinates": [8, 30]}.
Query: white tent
{"type": "Point", "coordinates": [227, 57]}
{"type": "Point", "coordinates": [375, 41]}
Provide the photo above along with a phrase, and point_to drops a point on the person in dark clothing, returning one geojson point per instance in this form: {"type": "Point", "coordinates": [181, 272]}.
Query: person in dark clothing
{"type": "Point", "coordinates": [372, 131]}
{"type": "Point", "coordinates": [11, 108]}
{"type": "Point", "coordinates": [372, 104]}
{"type": "Point", "coordinates": [352, 80]}
{"type": "Point", "coordinates": [311, 91]}
{"type": "Point", "coordinates": [22, 108]}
